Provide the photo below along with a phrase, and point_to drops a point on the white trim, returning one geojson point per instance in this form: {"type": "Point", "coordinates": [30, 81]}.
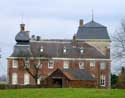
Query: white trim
{"type": "Point", "coordinates": [22, 45]}
{"type": "Point", "coordinates": [102, 40]}
{"type": "Point", "coordinates": [52, 41]}
{"type": "Point", "coordinates": [57, 58]}
{"type": "Point", "coordinates": [29, 58]}
{"type": "Point", "coordinates": [81, 59]}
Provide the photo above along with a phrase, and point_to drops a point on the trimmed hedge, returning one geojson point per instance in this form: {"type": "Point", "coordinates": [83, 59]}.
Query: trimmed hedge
{"type": "Point", "coordinates": [6, 86]}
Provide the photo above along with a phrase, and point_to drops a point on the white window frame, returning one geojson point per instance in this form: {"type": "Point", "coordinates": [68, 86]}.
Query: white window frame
{"type": "Point", "coordinates": [102, 80]}
{"type": "Point", "coordinates": [103, 65]}
{"type": "Point", "coordinates": [92, 63]}
{"type": "Point", "coordinates": [14, 63]}
{"type": "Point", "coordinates": [14, 79]}
{"type": "Point", "coordinates": [66, 64]}
{"type": "Point", "coordinates": [26, 79]}
{"type": "Point", "coordinates": [81, 65]}
{"type": "Point", "coordinates": [51, 62]}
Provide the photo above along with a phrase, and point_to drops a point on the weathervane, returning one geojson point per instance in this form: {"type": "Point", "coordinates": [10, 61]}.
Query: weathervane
{"type": "Point", "coordinates": [92, 15]}
{"type": "Point", "coordinates": [22, 19]}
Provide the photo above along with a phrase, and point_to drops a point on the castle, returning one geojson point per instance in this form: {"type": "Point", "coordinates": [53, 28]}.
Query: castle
{"type": "Point", "coordinates": [83, 61]}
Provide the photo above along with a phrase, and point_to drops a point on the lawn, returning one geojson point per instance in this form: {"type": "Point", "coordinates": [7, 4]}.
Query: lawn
{"type": "Point", "coordinates": [62, 93]}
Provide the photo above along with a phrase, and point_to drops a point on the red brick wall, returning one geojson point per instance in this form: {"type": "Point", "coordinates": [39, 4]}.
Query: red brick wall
{"type": "Point", "coordinates": [57, 64]}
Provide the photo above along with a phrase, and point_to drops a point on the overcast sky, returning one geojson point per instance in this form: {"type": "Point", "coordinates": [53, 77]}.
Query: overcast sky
{"type": "Point", "coordinates": [53, 18]}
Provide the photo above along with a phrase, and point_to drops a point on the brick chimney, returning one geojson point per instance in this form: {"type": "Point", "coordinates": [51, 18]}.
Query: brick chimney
{"type": "Point", "coordinates": [74, 41]}
{"type": "Point", "coordinates": [81, 22]}
{"type": "Point", "coordinates": [22, 27]}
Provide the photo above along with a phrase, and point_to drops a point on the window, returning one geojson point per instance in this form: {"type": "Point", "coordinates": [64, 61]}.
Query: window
{"type": "Point", "coordinates": [66, 65]}
{"type": "Point", "coordinates": [92, 63]}
{"type": "Point", "coordinates": [93, 75]}
{"type": "Point", "coordinates": [39, 65]}
{"type": "Point", "coordinates": [27, 63]}
{"type": "Point", "coordinates": [38, 81]}
{"type": "Point", "coordinates": [26, 79]}
{"type": "Point", "coordinates": [41, 49]}
{"type": "Point", "coordinates": [51, 64]}
{"type": "Point", "coordinates": [15, 64]}
{"type": "Point", "coordinates": [81, 65]}
{"type": "Point", "coordinates": [14, 78]}
{"type": "Point", "coordinates": [81, 50]}
{"type": "Point", "coordinates": [64, 50]}
{"type": "Point", "coordinates": [102, 80]}
{"type": "Point", "coordinates": [102, 65]}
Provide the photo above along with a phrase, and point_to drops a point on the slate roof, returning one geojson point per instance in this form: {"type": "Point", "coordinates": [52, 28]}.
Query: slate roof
{"type": "Point", "coordinates": [22, 36]}
{"type": "Point", "coordinates": [92, 30]}
{"type": "Point", "coordinates": [56, 50]}
{"type": "Point", "coordinates": [21, 51]}
{"type": "Point", "coordinates": [76, 74]}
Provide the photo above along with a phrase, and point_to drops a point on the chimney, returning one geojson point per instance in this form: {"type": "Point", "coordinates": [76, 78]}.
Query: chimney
{"type": "Point", "coordinates": [81, 22]}
{"type": "Point", "coordinates": [22, 27]}
{"type": "Point", "coordinates": [74, 41]}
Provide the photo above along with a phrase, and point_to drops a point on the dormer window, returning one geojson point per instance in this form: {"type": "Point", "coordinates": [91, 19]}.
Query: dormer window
{"type": "Point", "coordinates": [81, 50]}
{"type": "Point", "coordinates": [41, 49]}
{"type": "Point", "coordinates": [64, 50]}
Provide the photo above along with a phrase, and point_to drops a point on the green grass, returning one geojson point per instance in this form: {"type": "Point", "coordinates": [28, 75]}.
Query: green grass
{"type": "Point", "coordinates": [62, 93]}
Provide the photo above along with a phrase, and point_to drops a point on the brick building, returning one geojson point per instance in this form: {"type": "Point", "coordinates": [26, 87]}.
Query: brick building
{"type": "Point", "coordinates": [83, 61]}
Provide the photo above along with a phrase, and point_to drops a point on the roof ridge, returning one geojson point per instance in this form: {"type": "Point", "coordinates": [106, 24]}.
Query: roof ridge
{"type": "Point", "coordinates": [93, 24]}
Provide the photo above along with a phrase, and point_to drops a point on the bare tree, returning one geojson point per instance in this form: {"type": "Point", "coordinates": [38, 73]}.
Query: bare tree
{"type": "Point", "coordinates": [33, 68]}
{"type": "Point", "coordinates": [118, 43]}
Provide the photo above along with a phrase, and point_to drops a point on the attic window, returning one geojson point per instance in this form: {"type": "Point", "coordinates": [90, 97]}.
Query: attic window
{"type": "Point", "coordinates": [41, 49]}
{"type": "Point", "coordinates": [64, 50]}
{"type": "Point", "coordinates": [81, 50]}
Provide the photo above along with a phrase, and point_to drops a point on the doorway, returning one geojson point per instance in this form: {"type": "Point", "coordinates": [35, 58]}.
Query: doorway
{"type": "Point", "coordinates": [57, 83]}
